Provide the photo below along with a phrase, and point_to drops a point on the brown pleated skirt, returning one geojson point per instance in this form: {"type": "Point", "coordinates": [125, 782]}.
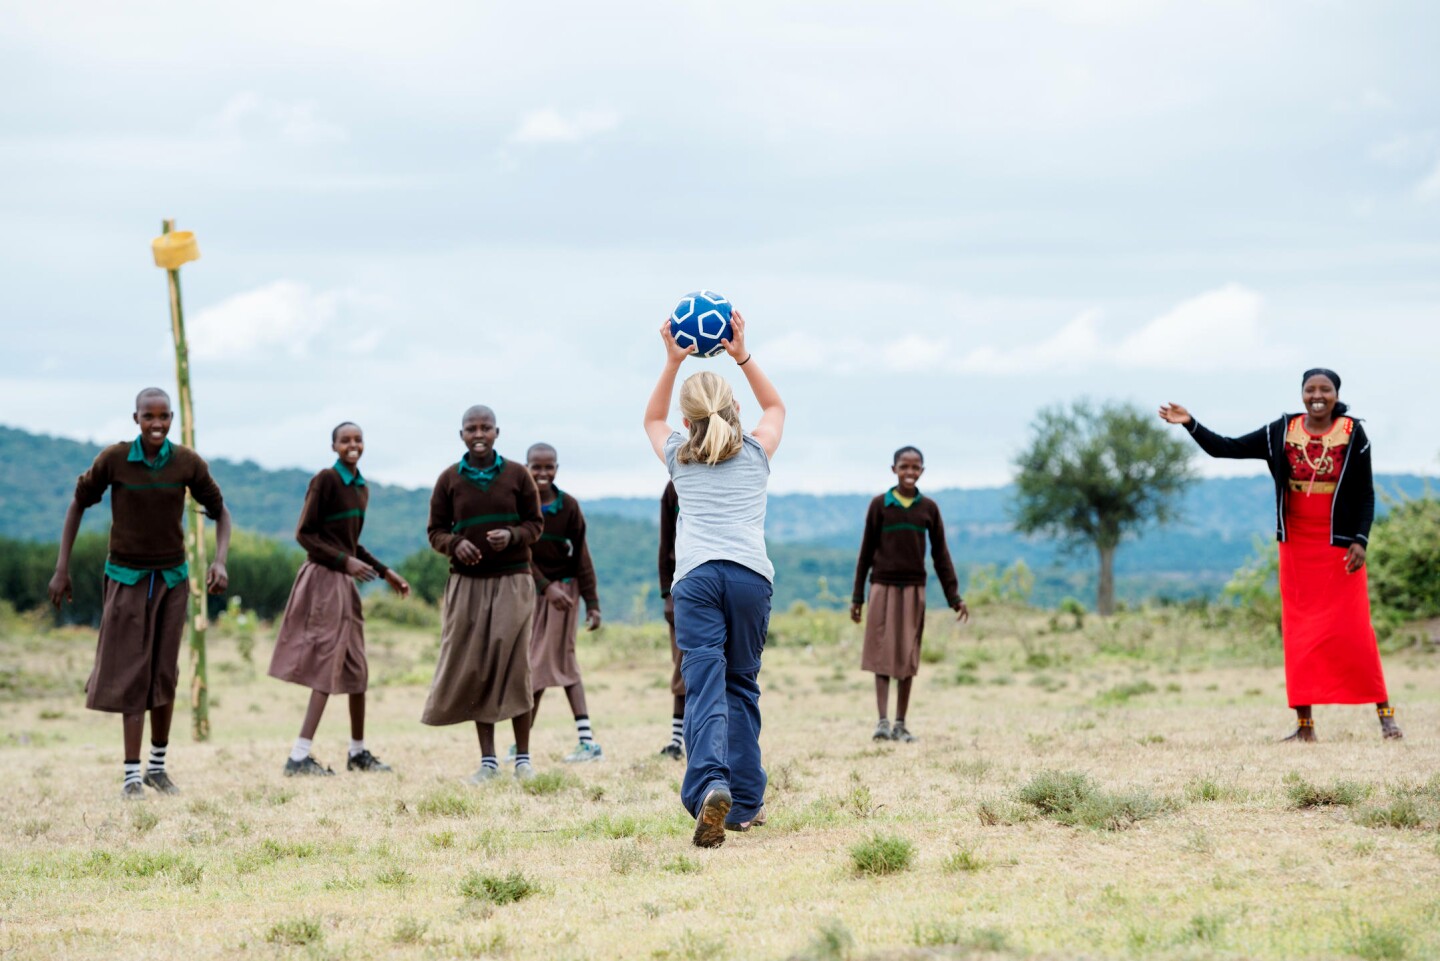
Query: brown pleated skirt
{"type": "Point", "coordinates": [894, 625]}
{"type": "Point", "coordinates": [483, 673]}
{"type": "Point", "coordinates": [552, 641]}
{"type": "Point", "coordinates": [677, 680]}
{"type": "Point", "coordinates": [137, 658]}
{"type": "Point", "coordinates": [321, 644]}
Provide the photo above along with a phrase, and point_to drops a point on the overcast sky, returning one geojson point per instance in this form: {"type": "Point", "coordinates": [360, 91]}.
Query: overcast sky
{"type": "Point", "coordinates": [937, 218]}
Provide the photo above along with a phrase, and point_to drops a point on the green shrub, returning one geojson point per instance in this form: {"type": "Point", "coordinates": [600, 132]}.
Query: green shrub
{"type": "Point", "coordinates": [298, 931]}
{"type": "Point", "coordinates": [1401, 812]}
{"type": "Point", "coordinates": [447, 803]}
{"type": "Point", "coordinates": [1404, 559]}
{"type": "Point", "coordinates": [1304, 794]}
{"type": "Point", "coordinates": [496, 889]}
{"type": "Point", "coordinates": [1121, 693]}
{"type": "Point", "coordinates": [1386, 941]}
{"type": "Point", "coordinates": [550, 782]}
{"type": "Point", "coordinates": [1055, 792]}
{"type": "Point", "coordinates": [1071, 798]}
{"type": "Point", "coordinates": [882, 854]}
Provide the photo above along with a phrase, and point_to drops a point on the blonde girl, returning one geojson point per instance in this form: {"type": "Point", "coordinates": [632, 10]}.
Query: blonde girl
{"type": "Point", "coordinates": [723, 578]}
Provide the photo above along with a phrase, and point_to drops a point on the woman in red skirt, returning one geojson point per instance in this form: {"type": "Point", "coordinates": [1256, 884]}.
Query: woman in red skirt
{"type": "Point", "coordinates": [1324, 505]}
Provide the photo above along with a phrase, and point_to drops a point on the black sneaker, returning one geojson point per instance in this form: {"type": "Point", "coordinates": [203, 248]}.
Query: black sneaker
{"type": "Point", "coordinates": [132, 791]}
{"type": "Point", "coordinates": [365, 761]}
{"type": "Point", "coordinates": [308, 766]}
{"type": "Point", "coordinates": [672, 750]}
{"type": "Point", "coordinates": [160, 781]}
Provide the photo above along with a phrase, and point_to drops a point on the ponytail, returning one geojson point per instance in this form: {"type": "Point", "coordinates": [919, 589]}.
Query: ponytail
{"type": "Point", "coordinates": [1341, 409]}
{"type": "Point", "coordinates": [708, 404]}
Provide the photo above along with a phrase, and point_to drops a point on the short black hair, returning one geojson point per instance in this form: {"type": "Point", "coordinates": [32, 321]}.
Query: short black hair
{"type": "Point", "coordinates": [540, 445]}
{"type": "Point", "coordinates": [335, 434]}
{"type": "Point", "coordinates": [150, 392]}
{"type": "Point", "coordinates": [907, 449]}
{"type": "Point", "coordinates": [477, 410]}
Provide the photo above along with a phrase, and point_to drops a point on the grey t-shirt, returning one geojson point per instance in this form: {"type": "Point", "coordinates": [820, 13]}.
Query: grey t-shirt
{"type": "Point", "coordinates": [722, 508]}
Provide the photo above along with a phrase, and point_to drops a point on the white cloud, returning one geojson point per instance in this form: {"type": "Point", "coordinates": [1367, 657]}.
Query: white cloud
{"type": "Point", "coordinates": [283, 316]}
{"type": "Point", "coordinates": [1218, 329]}
{"type": "Point", "coordinates": [1077, 343]}
{"type": "Point", "coordinates": [247, 115]}
{"type": "Point", "coordinates": [551, 126]}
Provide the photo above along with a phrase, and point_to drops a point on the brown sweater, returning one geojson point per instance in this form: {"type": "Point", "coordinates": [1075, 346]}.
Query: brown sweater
{"type": "Point", "coordinates": [892, 550]}
{"type": "Point", "coordinates": [331, 520]}
{"type": "Point", "coordinates": [562, 552]}
{"type": "Point", "coordinates": [669, 512]}
{"type": "Point", "coordinates": [461, 510]}
{"type": "Point", "coordinates": [147, 505]}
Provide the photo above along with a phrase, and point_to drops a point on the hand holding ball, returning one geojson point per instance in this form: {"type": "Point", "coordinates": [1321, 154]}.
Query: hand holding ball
{"type": "Point", "coordinates": [702, 320]}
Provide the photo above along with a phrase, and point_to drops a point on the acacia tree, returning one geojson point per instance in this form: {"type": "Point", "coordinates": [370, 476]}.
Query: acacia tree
{"type": "Point", "coordinates": [1092, 475]}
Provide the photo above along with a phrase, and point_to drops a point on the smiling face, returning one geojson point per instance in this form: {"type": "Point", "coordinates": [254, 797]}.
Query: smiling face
{"type": "Point", "coordinates": [1319, 395]}
{"type": "Point", "coordinates": [153, 415]}
{"type": "Point", "coordinates": [907, 468]}
{"type": "Point", "coordinates": [349, 444]}
{"type": "Point", "coordinates": [478, 432]}
{"type": "Point", "coordinates": [543, 465]}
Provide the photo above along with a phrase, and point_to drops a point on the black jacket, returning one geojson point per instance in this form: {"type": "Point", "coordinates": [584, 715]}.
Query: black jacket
{"type": "Point", "coordinates": [1354, 509]}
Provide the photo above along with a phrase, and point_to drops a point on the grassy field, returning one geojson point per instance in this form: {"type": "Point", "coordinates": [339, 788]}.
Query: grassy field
{"type": "Point", "coordinates": [1111, 790]}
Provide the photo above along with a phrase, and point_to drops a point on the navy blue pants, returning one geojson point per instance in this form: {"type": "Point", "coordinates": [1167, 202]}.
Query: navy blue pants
{"type": "Point", "coordinates": [722, 611]}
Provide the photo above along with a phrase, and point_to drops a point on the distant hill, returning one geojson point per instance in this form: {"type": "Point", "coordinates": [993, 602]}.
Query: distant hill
{"type": "Point", "coordinates": [813, 537]}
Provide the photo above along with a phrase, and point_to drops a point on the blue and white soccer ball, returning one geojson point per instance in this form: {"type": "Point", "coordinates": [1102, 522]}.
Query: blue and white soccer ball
{"type": "Point", "coordinates": [702, 318]}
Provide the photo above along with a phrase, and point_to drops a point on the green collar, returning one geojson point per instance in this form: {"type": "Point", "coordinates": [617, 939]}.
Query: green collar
{"type": "Point", "coordinates": [480, 478]}
{"type": "Point", "coordinates": [554, 506]}
{"type": "Point", "coordinates": [348, 476]}
{"type": "Point", "coordinates": [892, 501]}
{"type": "Point", "coordinates": [137, 454]}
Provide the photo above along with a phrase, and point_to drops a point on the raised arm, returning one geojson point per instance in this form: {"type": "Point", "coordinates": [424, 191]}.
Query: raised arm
{"type": "Point", "coordinates": [1252, 446]}
{"type": "Point", "coordinates": [772, 409]}
{"type": "Point", "coordinates": [658, 407]}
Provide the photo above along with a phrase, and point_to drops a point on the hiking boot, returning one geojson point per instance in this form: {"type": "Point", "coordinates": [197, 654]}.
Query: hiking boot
{"type": "Point", "coordinates": [585, 751]}
{"type": "Point", "coordinates": [710, 823]}
{"type": "Point", "coordinates": [365, 761]}
{"type": "Point", "coordinates": [483, 774]}
{"type": "Point", "coordinates": [160, 781]}
{"type": "Point", "coordinates": [309, 767]}
{"type": "Point", "coordinates": [673, 750]}
{"type": "Point", "coordinates": [132, 791]}
{"type": "Point", "coordinates": [882, 731]}
{"type": "Point", "coordinates": [901, 733]}
{"type": "Point", "coordinates": [758, 821]}
{"type": "Point", "coordinates": [524, 771]}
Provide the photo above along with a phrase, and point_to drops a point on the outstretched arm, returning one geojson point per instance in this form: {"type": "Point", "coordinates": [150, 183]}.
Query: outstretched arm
{"type": "Point", "coordinates": [1252, 446]}
{"type": "Point", "coordinates": [772, 409]}
{"type": "Point", "coordinates": [658, 407]}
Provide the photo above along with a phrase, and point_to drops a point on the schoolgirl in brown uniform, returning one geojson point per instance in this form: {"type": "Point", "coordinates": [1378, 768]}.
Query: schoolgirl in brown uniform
{"type": "Point", "coordinates": [321, 644]}
{"type": "Point", "coordinates": [137, 658]}
{"type": "Point", "coordinates": [892, 554]}
{"type": "Point", "coordinates": [564, 575]}
{"type": "Point", "coordinates": [669, 513]}
{"type": "Point", "coordinates": [484, 516]}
